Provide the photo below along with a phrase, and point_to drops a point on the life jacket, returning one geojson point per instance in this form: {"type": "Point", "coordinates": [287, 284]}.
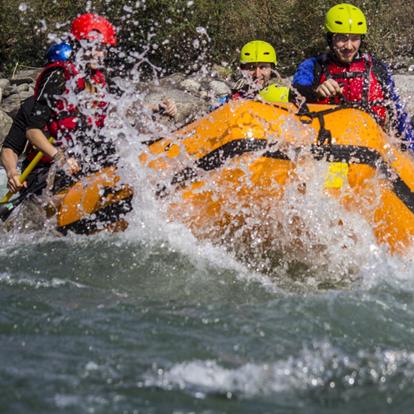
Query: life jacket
{"type": "Point", "coordinates": [65, 117]}
{"type": "Point", "coordinates": [360, 85]}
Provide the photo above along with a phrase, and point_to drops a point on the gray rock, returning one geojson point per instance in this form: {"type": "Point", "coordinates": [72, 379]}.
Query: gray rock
{"type": "Point", "coordinates": [173, 80]}
{"type": "Point", "coordinates": [222, 72]}
{"type": "Point", "coordinates": [11, 105]}
{"type": "Point", "coordinates": [190, 85]}
{"type": "Point", "coordinates": [219, 88]}
{"type": "Point", "coordinates": [4, 83]}
{"type": "Point", "coordinates": [5, 124]}
{"type": "Point", "coordinates": [1, 94]}
{"type": "Point", "coordinates": [25, 94]}
{"type": "Point", "coordinates": [24, 87]}
{"type": "Point", "coordinates": [10, 90]}
{"type": "Point", "coordinates": [25, 76]}
{"type": "Point", "coordinates": [188, 106]}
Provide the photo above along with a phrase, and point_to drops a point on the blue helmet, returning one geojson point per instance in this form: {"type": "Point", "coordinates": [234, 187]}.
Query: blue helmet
{"type": "Point", "coordinates": [59, 52]}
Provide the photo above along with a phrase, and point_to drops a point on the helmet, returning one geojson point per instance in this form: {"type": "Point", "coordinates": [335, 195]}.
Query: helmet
{"type": "Point", "coordinates": [84, 24]}
{"type": "Point", "coordinates": [59, 52]}
{"type": "Point", "coordinates": [345, 18]}
{"type": "Point", "coordinates": [274, 93]}
{"type": "Point", "coordinates": [258, 51]}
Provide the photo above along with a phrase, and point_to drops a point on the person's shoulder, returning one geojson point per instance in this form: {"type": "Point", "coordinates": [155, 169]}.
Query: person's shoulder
{"type": "Point", "coordinates": [309, 62]}
{"type": "Point", "coordinates": [314, 62]}
{"type": "Point", "coordinates": [27, 105]}
{"type": "Point", "coordinates": [307, 71]}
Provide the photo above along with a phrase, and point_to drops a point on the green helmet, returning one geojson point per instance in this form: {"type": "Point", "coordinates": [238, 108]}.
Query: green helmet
{"type": "Point", "coordinates": [345, 18]}
{"type": "Point", "coordinates": [274, 93]}
{"type": "Point", "coordinates": [258, 51]}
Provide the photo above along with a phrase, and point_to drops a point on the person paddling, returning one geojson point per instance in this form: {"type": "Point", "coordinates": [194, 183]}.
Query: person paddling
{"type": "Point", "coordinates": [348, 75]}
{"type": "Point", "coordinates": [70, 101]}
{"type": "Point", "coordinates": [16, 142]}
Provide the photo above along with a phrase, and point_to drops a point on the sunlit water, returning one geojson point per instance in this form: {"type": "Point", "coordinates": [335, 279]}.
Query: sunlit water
{"type": "Point", "coordinates": [155, 321]}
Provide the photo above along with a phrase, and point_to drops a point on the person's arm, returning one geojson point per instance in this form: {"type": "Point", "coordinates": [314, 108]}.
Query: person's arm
{"type": "Point", "coordinates": [14, 145]}
{"type": "Point", "coordinates": [9, 160]}
{"type": "Point", "coordinates": [306, 80]}
{"type": "Point", "coordinates": [40, 141]}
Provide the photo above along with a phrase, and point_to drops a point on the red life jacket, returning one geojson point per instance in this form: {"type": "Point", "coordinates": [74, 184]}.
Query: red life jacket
{"type": "Point", "coordinates": [66, 118]}
{"type": "Point", "coordinates": [360, 85]}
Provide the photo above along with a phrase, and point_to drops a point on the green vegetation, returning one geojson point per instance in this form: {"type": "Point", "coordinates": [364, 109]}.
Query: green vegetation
{"type": "Point", "coordinates": [170, 30]}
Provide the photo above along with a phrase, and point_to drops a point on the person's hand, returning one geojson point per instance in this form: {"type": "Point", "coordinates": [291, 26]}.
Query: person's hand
{"type": "Point", "coordinates": [13, 182]}
{"type": "Point", "coordinates": [69, 165]}
{"type": "Point", "coordinates": [168, 107]}
{"type": "Point", "coordinates": [328, 89]}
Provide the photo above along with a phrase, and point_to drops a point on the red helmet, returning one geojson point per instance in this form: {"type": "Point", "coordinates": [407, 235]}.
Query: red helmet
{"type": "Point", "coordinates": [85, 24]}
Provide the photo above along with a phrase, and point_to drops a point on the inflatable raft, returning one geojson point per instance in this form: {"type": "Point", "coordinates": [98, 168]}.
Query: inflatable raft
{"type": "Point", "coordinates": [247, 152]}
{"type": "Point", "coordinates": [97, 202]}
{"type": "Point", "coordinates": [92, 203]}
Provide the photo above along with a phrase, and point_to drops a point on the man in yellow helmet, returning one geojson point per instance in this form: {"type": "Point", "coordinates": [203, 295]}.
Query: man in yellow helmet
{"type": "Point", "coordinates": [257, 75]}
{"type": "Point", "coordinates": [345, 74]}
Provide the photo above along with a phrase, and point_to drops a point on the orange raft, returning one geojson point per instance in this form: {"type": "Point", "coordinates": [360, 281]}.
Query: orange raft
{"type": "Point", "coordinates": [97, 202]}
{"type": "Point", "coordinates": [246, 152]}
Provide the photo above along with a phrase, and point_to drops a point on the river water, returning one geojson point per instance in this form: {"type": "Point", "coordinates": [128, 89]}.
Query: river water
{"type": "Point", "coordinates": [154, 321]}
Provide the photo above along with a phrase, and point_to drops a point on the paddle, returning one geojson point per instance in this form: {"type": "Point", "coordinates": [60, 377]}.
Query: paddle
{"type": "Point", "coordinates": [8, 207]}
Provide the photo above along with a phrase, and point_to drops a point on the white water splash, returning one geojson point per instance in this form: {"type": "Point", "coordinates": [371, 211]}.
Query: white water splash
{"type": "Point", "coordinates": [37, 283]}
{"type": "Point", "coordinates": [323, 368]}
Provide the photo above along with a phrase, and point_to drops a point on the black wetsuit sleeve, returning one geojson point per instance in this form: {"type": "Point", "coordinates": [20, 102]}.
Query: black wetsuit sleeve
{"type": "Point", "coordinates": [50, 89]}
{"type": "Point", "coordinates": [16, 138]}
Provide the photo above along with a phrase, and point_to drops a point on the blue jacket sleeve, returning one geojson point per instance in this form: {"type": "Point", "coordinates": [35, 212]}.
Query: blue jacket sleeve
{"type": "Point", "coordinates": [305, 73]}
{"type": "Point", "coordinates": [306, 79]}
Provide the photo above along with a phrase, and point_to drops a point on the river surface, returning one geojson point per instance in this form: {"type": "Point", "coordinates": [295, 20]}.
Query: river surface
{"type": "Point", "coordinates": [154, 321]}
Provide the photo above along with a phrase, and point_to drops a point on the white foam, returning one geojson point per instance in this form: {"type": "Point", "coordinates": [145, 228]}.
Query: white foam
{"type": "Point", "coordinates": [9, 280]}
{"type": "Point", "coordinates": [322, 367]}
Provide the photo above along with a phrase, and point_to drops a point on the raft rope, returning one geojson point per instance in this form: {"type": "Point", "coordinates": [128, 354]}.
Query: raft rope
{"type": "Point", "coordinates": [331, 153]}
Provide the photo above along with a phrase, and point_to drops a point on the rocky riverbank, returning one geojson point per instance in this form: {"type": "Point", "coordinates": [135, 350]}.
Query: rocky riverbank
{"type": "Point", "coordinates": [192, 94]}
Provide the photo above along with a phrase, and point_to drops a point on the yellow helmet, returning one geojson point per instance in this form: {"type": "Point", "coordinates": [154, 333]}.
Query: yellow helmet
{"type": "Point", "coordinates": [274, 93]}
{"type": "Point", "coordinates": [258, 51]}
{"type": "Point", "coordinates": [346, 18]}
